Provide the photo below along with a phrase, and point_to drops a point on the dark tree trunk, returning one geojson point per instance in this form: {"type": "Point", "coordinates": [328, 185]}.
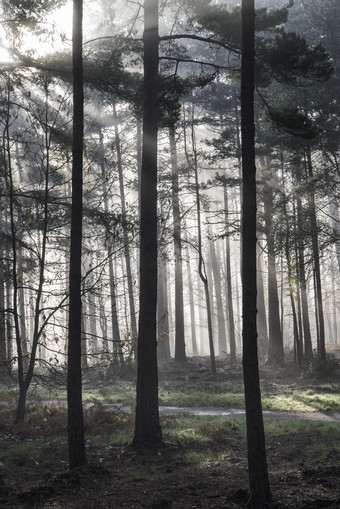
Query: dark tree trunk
{"type": "Point", "coordinates": [221, 330]}
{"type": "Point", "coordinates": [76, 441]}
{"type": "Point", "coordinates": [230, 300]}
{"type": "Point", "coordinates": [125, 233]}
{"type": "Point", "coordinates": [308, 353]}
{"type": "Point", "coordinates": [316, 257]}
{"type": "Point", "coordinates": [257, 461]}
{"type": "Point", "coordinates": [116, 350]}
{"type": "Point", "coordinates": [180, 355]}
{"type": "Point", "coordinates": [147, 425]}
{"type": "Point", "coordinates": [3, 349]}
{"type": "Point", "coordinates": [275, 350]}
{"type": "Point", "coordinates": [163, 348]}
{"type": "Point", "coordinates": [201, 264]}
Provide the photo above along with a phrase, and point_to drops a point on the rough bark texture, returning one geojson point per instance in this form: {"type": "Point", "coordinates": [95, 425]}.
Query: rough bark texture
{"type": "Point", "coordinates": [257, 462]}
{"type": "Point", "coordinates": [147, 426]}
{"type": "Point", "coordinates": [76, 442]}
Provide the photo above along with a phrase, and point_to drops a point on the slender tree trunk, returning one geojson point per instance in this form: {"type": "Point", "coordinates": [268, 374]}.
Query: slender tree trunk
{"type": "Point", "coordinates": [9, 326]}
{"type": "Point", "coordinates": [147, 425]}
{"type": "Point", "coordinates": [261, 314]}
{"type": "Point", "coordinates": [221, 330]}
{"type": "Point", "coordinates": [3, 349]}
{"type": "Point", "coordinates": [335, 223]}
{"type": "Point", "coordinates": [316, 257]}
{"type": "Point", "coordinates": [201, 264]}
{"type": "Point", "coordinates": [163, 348]}
{"type": "Point", "coordinates": [22, 312]}
{"type": "Point", "coordinates": [76, 440]}
{"type": "Point", "coordinates": [257, 462]}
{"type": "Point", "coordinates": [84, 349]}
{"type": "Point", "coordinates": [229, 294]}
{"type": "Point", "coordinates": [192, 307]}
{"type": "Point", "coordinates": [117, 350]}
{"type": "Point", "coordinates": [308, 350]}
{"type": "Point", "coordinates": [125, 234]}
{"type": "Point", "coordinates": [180, 354]}
{"type": "Point", "coordinates": [275, 350]}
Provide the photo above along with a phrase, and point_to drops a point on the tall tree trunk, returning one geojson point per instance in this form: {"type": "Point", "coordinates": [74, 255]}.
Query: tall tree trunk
{"type": "Point", "coordinates": [180, 354]}
{"type": "Point", "coordinates": [257, 461]}
{"type": "Point", "coordinates": [275, 350]}
{"type": "Point", "coordinates": [335, 223]}
{"type": "Point", "coordinates": [76, 440]}
{"type": "Point", "coordinates": [221, 331]}
{"type": "Point", "coordinates": [125, 234]}
{"type": "Point", "coordinates": [3, 349]}
{"type": "Point", "coordinates": [308, 350]}
{"type": "Point", "coordinates": [9, 327]}
{"type": "Point", "coordinates": [23, 312]}
{"type": "Point", "coordinates": [163, 348]}
{"type": "Point", "coordinates": [147, 425]}
{"type": "Point", "coordinates": [229, 294]}
{"type": "Point", "coordinates": [316, 257]}
{"type": "Point", "coordinates": [201, 264]}
{"type": "Point", "coordinates": [117, 350]}
{"type": "Point", "coordinates": [192, 307]}
{"type": "Point", "coordinates": [261, 313]}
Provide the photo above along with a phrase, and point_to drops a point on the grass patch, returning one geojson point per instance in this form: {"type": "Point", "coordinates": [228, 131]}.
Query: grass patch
{"type": "Point", "coordinates": [321, 398]}
{"type": "Point", "coordinates": [119, 392]}
{"type": "Point", "coordinates": [219, 394]}
{"type": "Point", "coordinates": [204, 457]}
{"type": "Point", "coordinates": [20, 454]}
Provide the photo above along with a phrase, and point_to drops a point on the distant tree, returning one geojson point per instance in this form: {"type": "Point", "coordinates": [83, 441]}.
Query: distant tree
{"type": "Point", "coordinates": [147, 425]}
{"type": "Point", "coordinates": [76, 440]}
{"type": "Point", "coordinates": [257, 461]}
{"type": "Point", "coordinates": [180, 354]}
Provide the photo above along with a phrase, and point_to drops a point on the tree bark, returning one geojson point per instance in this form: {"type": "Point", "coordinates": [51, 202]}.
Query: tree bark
{"type": "Point", "coordinates": [308, 350]}
{"type": "Point", "coordinates": [76, 440]}
{"type": "Point", "coordinates": [192, 307]}
{"type": "Point", "coordinates": [163, 348]}
{"type": "Point", "coordinates": [180, 354]}
{"type": "Point", "coordinates": [261, 313]}
{"type": "Point", "coordinates": [257, 461]}
{"type": "Point", "coordinates": [229, 295]}
{"type": "Point", "coordinates": [221, 330]}
{"type": "Point", "coordinates": [275, 350]}
{"type": "Point", "coordinates": [147, 425]}
{"type": "Point", "coordinates": [125, 234]}
{"type": "Point", "coordinates": [316, 256]}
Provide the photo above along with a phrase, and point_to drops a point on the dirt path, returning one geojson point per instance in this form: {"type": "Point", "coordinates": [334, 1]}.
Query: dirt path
{"type": "Point", "coordinates": [207, 411]}
{"type": "Point", "coordinates": [238, 412]}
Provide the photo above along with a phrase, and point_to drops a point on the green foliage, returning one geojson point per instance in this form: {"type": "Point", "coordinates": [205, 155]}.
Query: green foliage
{"type": "Point", "coordinates": [20, 454]}
{"type": "Point", "coordinates": [287, 58]}
{"type": "Point", "coordinates": [295, 122]}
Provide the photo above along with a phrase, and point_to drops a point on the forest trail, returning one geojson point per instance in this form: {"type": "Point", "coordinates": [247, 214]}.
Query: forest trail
{"type": "Point", "coordinates": [214, 411]}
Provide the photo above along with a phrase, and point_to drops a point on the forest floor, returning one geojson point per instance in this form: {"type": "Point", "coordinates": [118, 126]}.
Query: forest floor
{"type": "Point", "coordinates": [202, 464]}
